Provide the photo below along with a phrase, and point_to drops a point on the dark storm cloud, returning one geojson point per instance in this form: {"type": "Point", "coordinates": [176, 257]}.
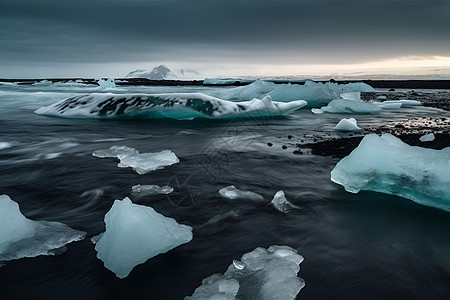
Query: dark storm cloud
{"type": "Point", "coordinates": [256, 31]}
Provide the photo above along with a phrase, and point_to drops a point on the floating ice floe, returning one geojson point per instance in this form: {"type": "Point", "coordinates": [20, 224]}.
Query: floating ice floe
{"type": "Point", "coordinates": [135, 233]}
{"type": "Point", "coordinates": [261, 274]}
{"type": "Point", "coordinates": [21, 237]}
{"type": "Point", "coordinates": [177, 106]}
{"type": "Point", "coordinates": [231, 192]}
{"type": "Point", "coordinates": [396, 104]}
{"type": "Point", "coordinates": [280, 202]}
{"type": "Point", "coordinates": [65, 84]}
{"type": "Point", "coordinates": [427, 138]}
{"type": "Point", "coordinates": [42, 83]}
{"type": "Point", "coordinates": [388, 165]}
{"type": "Point", "coordinates": [148, 190]}
{"type": "Point", "coordinates": [350, 103]}
{"type": "Point", "coordinates": [224, 81]}
{"type": "Point", "coordinates": [349, 124]}
{"type": "Point", "coordinates": [142, 163]}
{"type": "Point", "coordinates": [404, 102]}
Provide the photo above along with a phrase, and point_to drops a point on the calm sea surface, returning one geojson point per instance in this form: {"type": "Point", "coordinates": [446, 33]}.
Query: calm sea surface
{"type": "Point", "coordinates": [364, 246]}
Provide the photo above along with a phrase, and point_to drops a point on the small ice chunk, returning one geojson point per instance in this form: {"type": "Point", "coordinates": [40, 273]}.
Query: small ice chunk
{"type": "Point", "coordinates": [21, 237]}
{"type": "Point", "coordinates": [262, 274]}
{"type": "Point", "coordinates": [216, 287]}
{"type": "Point", "coordinates": [141, 163]}
{"type": "Point", "coordinates": [238, 264]}
{"type": "Point", "coordinates": [231, 192]}
{"type": "Point", "coordinates": [347, 125]}
{"type": "Point", "coordinates": [317, 111]}
{"type": "Point", "coordinates": [388, 165]}
{"type": "Point", "coordinates": [135, 233]}
{"type": "Point", "coordinates": [427, 138]}
{"type": "Point", "coordinates": [280, 202]}
{"type": "Point", "coordinates": [148, 190]}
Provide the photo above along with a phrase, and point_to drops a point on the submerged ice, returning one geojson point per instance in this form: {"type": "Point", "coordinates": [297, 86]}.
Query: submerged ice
{"type": "Point", "coordinates": [427, 137]}
{"type": "Point", "coordinates": [388, 165]}
{"type": "Point", "coordinates": [177, 106]}
{"type": "Point", "coordinates": [150, 189]}
{"type": "Point", "coordinates": [231, 192]}
{"type": "Point", "coordinates": [142, 163]}
{"type": "Point", "coordinates": [264, 274]}
{"type": "Point", "coordinates": [21, 237]}
{"type": "Point", "coordinates": [135, 233]}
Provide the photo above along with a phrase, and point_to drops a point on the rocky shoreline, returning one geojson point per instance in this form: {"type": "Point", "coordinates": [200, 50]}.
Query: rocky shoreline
{"type": "Point", "coordinates": [409, 130]}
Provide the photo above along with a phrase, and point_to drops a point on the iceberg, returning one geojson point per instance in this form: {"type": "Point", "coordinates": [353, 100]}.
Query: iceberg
{"type": "Point", "coordinates": [263, 274]}
{"type": "Point", "coordinates": [315, 93]}
{"type": "Point", "coordinates": [135, 233]}
{"type": "Point", "coordinates": [148, 190]}
{"type": "Point", "coordinates": [232, 193]}
{"type": "Point", "coordinates": [388, 165]}
{"type": "Point", "coordinates": [21, 237]}
{"type": "Point", "coordinates": [181, 106]}
{"type": "Point", "coordinates": [142, 163]}
{"type": "Point", "coordinates": [280, 202]}
{"type": "Point", "coordinates": [349, 124]}
{"type": "Point", "coordinates": [162, 72]}
{"type": "Point", "coordinates": [427, 138]}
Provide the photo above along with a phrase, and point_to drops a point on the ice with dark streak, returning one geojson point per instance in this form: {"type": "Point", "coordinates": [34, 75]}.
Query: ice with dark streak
{"type": "Point", "coordinates": [135, 233]}
{"type": "Point", "coordinates": [21, 237]}
{"type": "Point", "coordinates": [181, 106]}
{"type": "Point", "coordinates": [388, 165]}
{"type": "Point", "coordinates": [263, 274]}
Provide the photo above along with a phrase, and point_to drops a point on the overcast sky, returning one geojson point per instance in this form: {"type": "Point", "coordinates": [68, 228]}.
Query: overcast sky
{"type": "Point", "coordinates": [110, 38]}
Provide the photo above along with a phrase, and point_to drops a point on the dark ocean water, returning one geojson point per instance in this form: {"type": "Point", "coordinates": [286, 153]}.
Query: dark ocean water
{"type": "Point", "coordinates": [364, 246]}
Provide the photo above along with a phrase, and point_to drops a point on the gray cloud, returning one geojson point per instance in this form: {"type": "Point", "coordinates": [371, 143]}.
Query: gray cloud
{"type": "Point", "coordinates": [225, 31]}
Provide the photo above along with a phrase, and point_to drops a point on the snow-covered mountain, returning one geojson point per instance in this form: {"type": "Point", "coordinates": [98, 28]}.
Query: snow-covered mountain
{"type": "Point", "coordinates": [162, 72]}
